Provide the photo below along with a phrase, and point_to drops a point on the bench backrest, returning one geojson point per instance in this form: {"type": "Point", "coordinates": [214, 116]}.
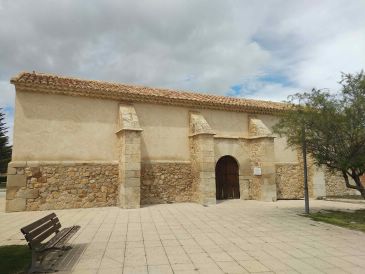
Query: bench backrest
{"type": "Point", "coordinates": [40, 230]}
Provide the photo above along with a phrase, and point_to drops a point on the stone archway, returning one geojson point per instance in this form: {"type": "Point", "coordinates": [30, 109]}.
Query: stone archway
{"type": "Point", "coordinates": [227, 178]}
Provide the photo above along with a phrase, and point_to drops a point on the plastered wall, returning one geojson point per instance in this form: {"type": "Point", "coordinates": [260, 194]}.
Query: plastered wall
{"type": "Point", "coordinates": [283, 154]}
{"type": "Point", "coordinates": [227, 123]}
{"type": "Point", "coordinates": [235, 148]}
{"type": "Point", "coordinates": [165, 132]}
{"type": "Point", "coordinates": [64, 128]}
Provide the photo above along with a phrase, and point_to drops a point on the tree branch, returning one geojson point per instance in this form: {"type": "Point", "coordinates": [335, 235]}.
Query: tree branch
{"type": "Point", "coordinates": [348, 185]}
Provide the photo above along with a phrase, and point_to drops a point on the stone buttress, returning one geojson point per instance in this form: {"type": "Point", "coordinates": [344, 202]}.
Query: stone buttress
{"type": "Point", "coordinates": [262, 156]}
{"type": "Point", "coordinates": [202, 159]}
{"type": "Point", "coordinates": [129, 135]}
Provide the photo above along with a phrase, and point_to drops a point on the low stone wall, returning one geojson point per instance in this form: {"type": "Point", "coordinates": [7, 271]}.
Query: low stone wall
{"type": "Point", "coordinates": [335, 185]}
{"type": "Point", "coordinates": [289, 181]}
{"type": "Point", "coordinates": [59, 185]}
{"type": "Point", "coordinates": [166, 182]}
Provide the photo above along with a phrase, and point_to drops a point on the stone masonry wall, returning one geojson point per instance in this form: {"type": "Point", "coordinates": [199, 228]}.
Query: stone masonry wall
{"type": "Point", "coordinates": [255, 156]}
{"type": "Point", "coordinates": [63, 185]}
{"type": "Point", "coordinates": [166, 182]}
{"type": "Point", "coordinates": [335, 185]}
{"type": "Point", "coordinates": [262, 187]}
{"type": "Point", "coordinates": [289, 181]}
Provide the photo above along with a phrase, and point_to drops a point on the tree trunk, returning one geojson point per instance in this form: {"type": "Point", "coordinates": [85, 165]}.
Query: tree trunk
{"type": "Point", "coordinates": [359, 186]}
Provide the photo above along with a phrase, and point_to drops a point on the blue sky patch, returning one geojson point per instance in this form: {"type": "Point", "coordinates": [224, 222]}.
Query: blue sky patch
{"type": "Point", "coordinates": [235, 90]}
{"type": "Point", "coordinates": [275, 78]}
{"type": "Point", "coordinates": [9, 110]}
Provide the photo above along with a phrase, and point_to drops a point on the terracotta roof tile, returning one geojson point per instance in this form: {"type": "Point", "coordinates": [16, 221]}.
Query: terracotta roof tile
{"type": "Point", "coordinates": [48, 83]}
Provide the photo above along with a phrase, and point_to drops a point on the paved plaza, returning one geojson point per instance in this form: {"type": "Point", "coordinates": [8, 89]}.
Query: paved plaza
{"type": "Point", "coordinates": [231, 237]}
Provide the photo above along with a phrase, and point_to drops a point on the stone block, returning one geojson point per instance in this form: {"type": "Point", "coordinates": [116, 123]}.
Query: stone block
{"type": "Point", "coordinates": [268, 168]}
{"type": "Point", "coordinates": [207, 154]}
{"type": "Point", "coordinates": [132, 182]}
{"type": "Point", "coordinates": [16, 180]}
{"type": "Point", "coordinates": [11, 170]}
{"type": "Point", "coordinates": [206, 166]}
{"type": "Point", "coordinates": [18, 204]}
{"type": "Point", "coordinates": [132, 149]}
{"type": "Point", "coordinates": [206, 175]}
{"type": "Point", "coordinates": [244, 189]}
{"type": "Point", "coordinates": [27, 193]}
{"type": "Point", "coordinates": [132, 139]}
{"type": "Point", "coordinates": [133, 158]}
{"type": "Point", "coordinates": [268, 192]}
{"type": "Point", "coordinates": [319, 184]}
{"type": "Point", "coordinates": [17, 164]}
{"type": "Point", "coordinates": [11, 192]}
{"type": "Point", "coordinates": [130, 197]}
{"type": "Point", "coordinates": [208, 200]}
{"type": "Point", "coordinates": [65, 164]}
{"type": "Point", "coordinates": [132, 173]}
{"type": "Point", "coordinates": [319, 191]}
{"type": "Point", "coordinates": [33, 164]}
{"type": "Point", "coordinates": [208, 185]}
{"type": "Point", "coordinates": [132, 166]}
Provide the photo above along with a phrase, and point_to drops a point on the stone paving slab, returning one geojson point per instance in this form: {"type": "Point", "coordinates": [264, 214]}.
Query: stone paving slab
{"type": "Point", "coordinates": [230, 237]}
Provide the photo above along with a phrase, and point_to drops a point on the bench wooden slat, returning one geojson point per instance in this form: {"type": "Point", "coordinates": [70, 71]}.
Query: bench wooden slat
{"type": "Point", "coordinates": [73, 230]}
{"type": "Point", "coordinates": [45, 235]}
{"type": "Point", "coordinates": [57, 238]}
{"type": "Point", "coordinates": [41, 229]}
{"type": "Point", "coordinates": [37, 223]}
{"type": "Point", "coordinates": [62, 237]}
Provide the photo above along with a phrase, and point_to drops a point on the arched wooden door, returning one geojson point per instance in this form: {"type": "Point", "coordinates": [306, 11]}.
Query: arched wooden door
{"type": "Point", "coordinates": [226, 178]}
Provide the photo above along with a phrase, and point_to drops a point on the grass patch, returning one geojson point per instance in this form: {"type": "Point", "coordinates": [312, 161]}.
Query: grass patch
{"type": "Point", "coordinates": [14, 259]}
{"type": "Point", "coordinates": [353, 220]}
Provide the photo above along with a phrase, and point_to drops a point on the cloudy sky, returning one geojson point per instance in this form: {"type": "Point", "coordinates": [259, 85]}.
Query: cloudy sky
{"type": "Point", "coordinates": [253, 49]}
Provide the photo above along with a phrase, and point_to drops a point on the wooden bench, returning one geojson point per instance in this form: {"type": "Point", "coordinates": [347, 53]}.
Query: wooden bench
{"type": "Point", "coordinates": [41, 240]}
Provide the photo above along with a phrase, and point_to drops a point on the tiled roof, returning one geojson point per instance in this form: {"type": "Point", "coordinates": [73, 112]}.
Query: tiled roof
{"type": "Point", "coordinates": [47, 83]}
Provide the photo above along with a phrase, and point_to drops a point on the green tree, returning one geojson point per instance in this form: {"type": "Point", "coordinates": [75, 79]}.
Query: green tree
{"type": "Point", "coordinates": [334, 126]}
{"type": "Point", "coordinates": [5, 148]}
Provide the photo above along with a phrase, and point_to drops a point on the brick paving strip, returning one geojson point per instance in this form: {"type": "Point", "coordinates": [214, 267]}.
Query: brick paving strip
{"type": "Point", "coordinates": [231, 237]}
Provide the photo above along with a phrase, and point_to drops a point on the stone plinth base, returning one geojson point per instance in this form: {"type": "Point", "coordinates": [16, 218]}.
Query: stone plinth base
{"type": "Point", "coordinates": [59, 185]}
{"type": "Point", "coordinates": [166, 183]}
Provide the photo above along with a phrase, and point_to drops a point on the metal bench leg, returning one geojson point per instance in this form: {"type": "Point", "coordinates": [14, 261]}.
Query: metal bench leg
{"type": "Point", "coordinates": [37, 266]}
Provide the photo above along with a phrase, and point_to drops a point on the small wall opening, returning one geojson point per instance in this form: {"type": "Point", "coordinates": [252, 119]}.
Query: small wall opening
{"type": "Point", "coordinates": [227, 178]}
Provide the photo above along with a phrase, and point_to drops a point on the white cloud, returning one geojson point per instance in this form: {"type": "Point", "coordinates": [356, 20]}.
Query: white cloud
{"type": "Point", "coordinates": [256, 89]}
{"type": "Point", "coordinates": [7, 94]}
{"type": "Point", "coordinates": [7, 97]}
{"type": "Point", "coordinates": [155, 43]}
{"type": "Point", "coordinates": [206, 45]}
{"type": "Point", "coordinates": [322, 67]}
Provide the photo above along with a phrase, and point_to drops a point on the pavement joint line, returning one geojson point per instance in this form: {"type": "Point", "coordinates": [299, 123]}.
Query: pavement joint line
{"type": "Point", "coordinates": [262, 231]}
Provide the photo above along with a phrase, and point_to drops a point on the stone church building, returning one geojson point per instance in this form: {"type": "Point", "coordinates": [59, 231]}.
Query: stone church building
{"type": "Point", "coordinates": [81, 143]}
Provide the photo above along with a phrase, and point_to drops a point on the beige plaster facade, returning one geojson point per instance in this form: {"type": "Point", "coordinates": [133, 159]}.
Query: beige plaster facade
{"type": "Point", "coordinates": [97, 147]}
{"type": "Point", "coordinates": [66, 128]}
